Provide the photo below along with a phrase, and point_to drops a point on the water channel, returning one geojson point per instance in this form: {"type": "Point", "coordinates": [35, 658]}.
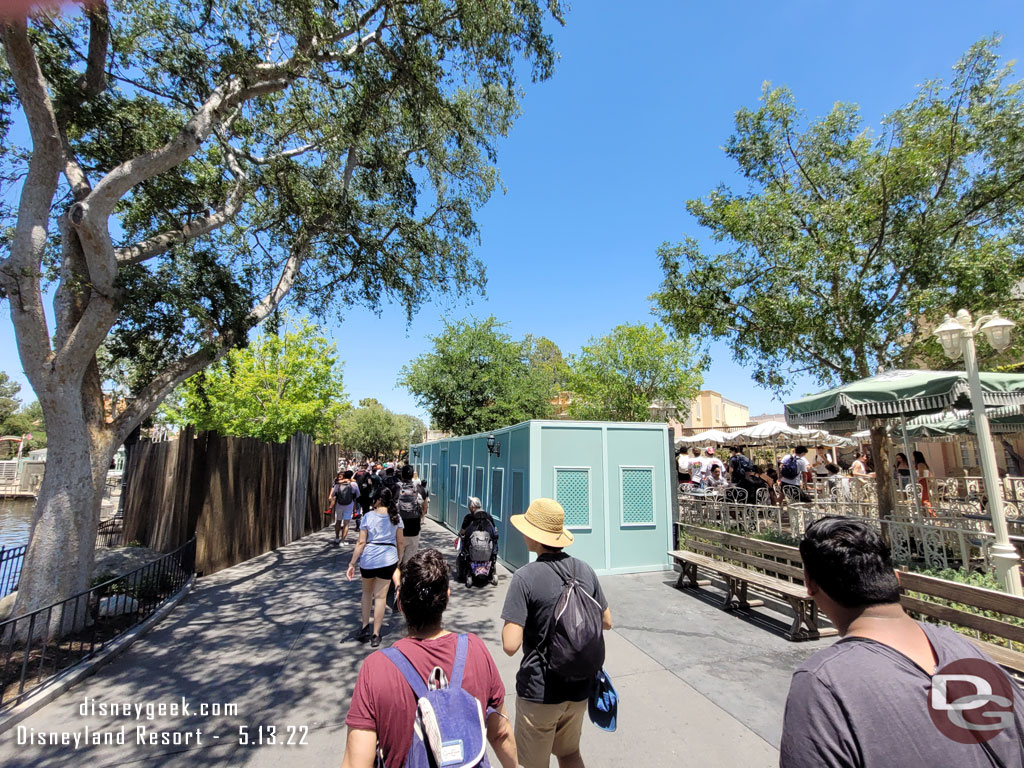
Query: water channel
{"type": "Point", "coordinates": [15, 521]}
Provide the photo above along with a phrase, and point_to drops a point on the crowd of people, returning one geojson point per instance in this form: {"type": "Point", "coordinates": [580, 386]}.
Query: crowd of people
{"type": "Point", "coordinates": [435, 697]}
{"type": "Point", "coordinates": [388, 723]}
{"type": "Point", "coordinates": [792, 478]}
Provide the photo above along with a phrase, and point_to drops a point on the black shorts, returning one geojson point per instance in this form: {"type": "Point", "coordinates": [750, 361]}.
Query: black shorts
{"type": "Point", "coordinates": [384, 572]}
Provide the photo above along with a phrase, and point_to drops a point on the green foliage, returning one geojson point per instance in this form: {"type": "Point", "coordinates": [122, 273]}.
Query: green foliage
{"type": "Point", "coordinates": [479, 378]}
{"type": "Point", "coordinates": [17, 419]}
{"type": "Point", "coordinates": [377, 433]}
{"type": "Point", "coordinates": [846, 248]}
{"type": "Point", "coordinates": [9, 400]}
{"type": "Point", "coordinates": [619, 376]}
{"type": "Point", "coordinates": [278, 385]}
{"type": "Point", "coordinates": [397, 107]}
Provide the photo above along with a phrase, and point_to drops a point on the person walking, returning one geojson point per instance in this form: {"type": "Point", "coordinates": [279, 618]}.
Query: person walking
{"type": "Point", "coordinates": [792, 473]}
{"type": "Point", "coordinates": [378, 553]}
{"type": "Point", "coordinates": [549, 710]}
{"type": "Point", "coordinates": [413, 502]}
{"type": "Point", "coordinates": [383, 708]}
{"type": "Point", "coordinates": [343, 497]}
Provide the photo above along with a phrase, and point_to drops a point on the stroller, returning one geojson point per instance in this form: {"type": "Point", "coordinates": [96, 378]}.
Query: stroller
{"type": "Point", "coordinates": [478, 553]}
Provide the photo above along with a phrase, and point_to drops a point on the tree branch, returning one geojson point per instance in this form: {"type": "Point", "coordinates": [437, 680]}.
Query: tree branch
{"type": "Point", "coordinates": [158, 244]}
{"type": "Point", "coordinates": [20, 270]}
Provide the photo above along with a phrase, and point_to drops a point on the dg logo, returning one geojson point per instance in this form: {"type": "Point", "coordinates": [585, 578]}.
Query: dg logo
{"type": "Point", "coordinates": [971, 701]}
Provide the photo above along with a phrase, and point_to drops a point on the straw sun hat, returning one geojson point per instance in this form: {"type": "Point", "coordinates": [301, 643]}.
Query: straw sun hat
{"type": "Point", "coordinates": [544, 522]}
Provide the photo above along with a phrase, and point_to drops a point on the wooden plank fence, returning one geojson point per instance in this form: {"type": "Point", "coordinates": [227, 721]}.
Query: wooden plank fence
{"type": "Point", "coordinates": [239, 497]}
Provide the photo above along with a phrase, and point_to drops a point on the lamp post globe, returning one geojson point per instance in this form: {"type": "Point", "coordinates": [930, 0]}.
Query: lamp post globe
{"type": "Point", "coordinates": [999, 332]}
{"type": "Point", "coordinates": [951, 336]}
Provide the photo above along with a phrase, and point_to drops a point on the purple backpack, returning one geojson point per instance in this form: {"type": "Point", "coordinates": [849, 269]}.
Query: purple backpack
{"type": "Point", "coordinates": [449, 730]}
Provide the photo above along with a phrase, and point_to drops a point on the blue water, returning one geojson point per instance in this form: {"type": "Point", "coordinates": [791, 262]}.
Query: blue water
{"type": "Point", "coordinates": [15, 521]}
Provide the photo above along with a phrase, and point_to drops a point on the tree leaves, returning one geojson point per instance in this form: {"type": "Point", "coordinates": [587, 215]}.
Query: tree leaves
{"type": "Point", "coordinates": [477, 378]}
{"type": "Point", "coordinates": [619, 377]}
{"type": "Point", "coordinates": [847, 247]}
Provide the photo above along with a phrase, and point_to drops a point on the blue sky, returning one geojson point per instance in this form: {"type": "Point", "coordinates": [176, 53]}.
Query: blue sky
{"type": "Point", "coordinates": [606, 153]}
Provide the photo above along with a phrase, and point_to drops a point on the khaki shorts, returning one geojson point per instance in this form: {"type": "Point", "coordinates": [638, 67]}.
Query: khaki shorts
{"type": "Point", "coordinates": [543, 730]}
{"type": "Point", "coordinates": [412, 546]}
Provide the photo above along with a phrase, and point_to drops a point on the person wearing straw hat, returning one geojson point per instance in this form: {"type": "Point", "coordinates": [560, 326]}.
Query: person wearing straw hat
{"type": "Point", "coordinates": [549, 710]}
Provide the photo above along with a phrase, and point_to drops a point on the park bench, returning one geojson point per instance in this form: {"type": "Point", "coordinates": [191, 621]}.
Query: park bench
{"type": "Point", "coordinates": [976, 597]}
{"type": "Point", "coordinates": [700, 546]}
{"type": "Point", "coordinates": [763, 566]}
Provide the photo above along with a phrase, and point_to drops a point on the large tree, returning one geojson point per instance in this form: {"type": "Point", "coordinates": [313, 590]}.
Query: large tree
{"type": "Point", "coordinates": [192, 163]}
{"type": "Point", "coordinates": [375, 432]}
{"type": "Point", "coordinates": [280, 384]}
{"type": "Point", "coordinates": [479, 378]}
{"type": "Point", "coordinates": [619, 376]}
{"type": "Point", "coordinates": [847, 245]}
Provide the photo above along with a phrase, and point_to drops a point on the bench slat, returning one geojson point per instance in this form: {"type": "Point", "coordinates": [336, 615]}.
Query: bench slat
{"type": "Point", "coordinates": [979, 597]}
{"type": "Point", "coordinates": [754, 560]}
{"type": "Point", "coordinates": [1001, 655]}
{"type": "Point", "coordinates": [964, 618]}
{"type": "Point", "coordinates": [734, 539]}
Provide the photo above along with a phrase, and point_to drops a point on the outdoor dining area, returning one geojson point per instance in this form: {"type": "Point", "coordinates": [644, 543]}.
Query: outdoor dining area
{"type": "Point", "coordinates": [960, 521]}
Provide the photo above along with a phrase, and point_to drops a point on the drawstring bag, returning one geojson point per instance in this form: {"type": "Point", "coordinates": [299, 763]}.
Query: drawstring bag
{"type": "Point", "coordinates": [603, 706]}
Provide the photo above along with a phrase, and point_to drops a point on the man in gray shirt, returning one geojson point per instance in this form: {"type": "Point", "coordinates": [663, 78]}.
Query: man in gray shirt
{"type": "Point", "coordinates": [892, 691]}
{"type": "Point", "coordinates": [549, 710]}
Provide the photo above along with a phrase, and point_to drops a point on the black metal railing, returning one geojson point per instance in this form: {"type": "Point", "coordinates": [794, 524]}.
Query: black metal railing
{"type": "Point", "coordinates": [108, 533]}
{"type": "Point", "coordinates": [11, 559]}
{"type": "Point", "coordinates": [37, 646]}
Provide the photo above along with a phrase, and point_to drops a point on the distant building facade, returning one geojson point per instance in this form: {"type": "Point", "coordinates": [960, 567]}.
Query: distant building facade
{"type": "Point", "coordinates": [709, 410]}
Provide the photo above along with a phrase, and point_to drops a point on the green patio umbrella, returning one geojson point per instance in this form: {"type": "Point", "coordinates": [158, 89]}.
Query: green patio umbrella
{"type": "Point", "coordinates": [951, 425]}
{"type": "Point", "coordinates": [902, 393]}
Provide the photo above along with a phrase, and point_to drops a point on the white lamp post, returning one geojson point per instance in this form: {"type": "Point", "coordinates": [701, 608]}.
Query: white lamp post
{"type": "Point", "coordinates": [957, 338]}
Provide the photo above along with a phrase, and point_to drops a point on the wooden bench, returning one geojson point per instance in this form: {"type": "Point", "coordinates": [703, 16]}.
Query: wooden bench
{"type": "Point", "coordinates": [976, 597]}
{"type": "Point", "coordinates": [709, 549]}
{"type": "Point", "coordinates": [754, 553]}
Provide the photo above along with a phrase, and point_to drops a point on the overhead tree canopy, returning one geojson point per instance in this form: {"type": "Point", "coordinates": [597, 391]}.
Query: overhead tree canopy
{"type": "Point", "coordinates": [619, 376]}
{"type": "Point", "coordinates": [847, 246]}
{"type": "Point", "coordinates": [479, 378]}
{"type": "Point", "coordinates": [280, 384]}
{"type": "Point", "coordinates": [193, 163]}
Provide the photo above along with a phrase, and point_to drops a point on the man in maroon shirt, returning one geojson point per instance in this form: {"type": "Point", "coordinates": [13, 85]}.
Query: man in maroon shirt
{"type": "Point", "coordinates": [383, 705]}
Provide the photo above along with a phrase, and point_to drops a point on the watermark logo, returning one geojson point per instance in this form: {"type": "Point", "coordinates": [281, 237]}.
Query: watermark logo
{"type": "Point", "coordinates": [971, 701]}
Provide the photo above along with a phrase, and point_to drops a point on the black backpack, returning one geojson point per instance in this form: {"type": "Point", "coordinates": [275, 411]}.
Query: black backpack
{"type": "Point", "coordinates": [575, 649]}
{"type": "Point", "coordinates": [742, 463]}
{"type": "Point", "coordinates": [365, 484]}
{"type": "Point", "coordinates": [346, 495]}
{"type": "Point", "coordinates": [409, 503]}
{"type": "Point", "coordinates": [790, 468]}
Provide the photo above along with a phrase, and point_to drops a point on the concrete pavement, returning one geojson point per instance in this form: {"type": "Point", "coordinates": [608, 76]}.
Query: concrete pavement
{"type": "Point", "coordinates": [274, 638]}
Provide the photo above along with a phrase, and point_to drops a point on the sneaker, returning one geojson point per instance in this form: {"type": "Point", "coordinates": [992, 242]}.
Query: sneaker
{"type": "Point", "coordinates": [336, 542]}
{"type": "Point", "coordinates": [375, 642]}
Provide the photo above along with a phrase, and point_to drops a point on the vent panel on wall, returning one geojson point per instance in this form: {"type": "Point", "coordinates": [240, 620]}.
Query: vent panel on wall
{"type": "Point", "coordinates": [637, 496]}
{"type": "Point", "coordinates": [572, 491]}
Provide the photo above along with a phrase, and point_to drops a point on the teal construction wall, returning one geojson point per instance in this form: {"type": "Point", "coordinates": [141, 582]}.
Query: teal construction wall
{"type": "Point", "coordinates": [612, 478]}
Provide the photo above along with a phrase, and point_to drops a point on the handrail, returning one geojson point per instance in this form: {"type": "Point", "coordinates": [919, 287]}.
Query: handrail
{"type": "Point", "coordinates": [37, 646]}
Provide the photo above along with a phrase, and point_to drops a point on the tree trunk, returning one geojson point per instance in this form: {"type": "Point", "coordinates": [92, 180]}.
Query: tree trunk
{"type": "Point", "coordinates": [883, 468]}
{"type": "Point", "coordinates": [61, 550]}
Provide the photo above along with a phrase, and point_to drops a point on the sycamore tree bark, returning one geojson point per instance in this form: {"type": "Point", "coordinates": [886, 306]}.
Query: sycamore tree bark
{"type": "Point", "coordinates": [192, 166]}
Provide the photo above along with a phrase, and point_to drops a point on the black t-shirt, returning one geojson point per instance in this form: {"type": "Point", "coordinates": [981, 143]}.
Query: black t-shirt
{"type": "Point", "coordinates": [530, 602]}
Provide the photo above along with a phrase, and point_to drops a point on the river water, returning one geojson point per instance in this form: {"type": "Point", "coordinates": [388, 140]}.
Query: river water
{"type": "Point", "coordinates": [15, 521]}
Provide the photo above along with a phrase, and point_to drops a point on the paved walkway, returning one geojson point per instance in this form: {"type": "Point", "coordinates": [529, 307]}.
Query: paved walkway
{"type": "Point", "coordinates": [274, 636]}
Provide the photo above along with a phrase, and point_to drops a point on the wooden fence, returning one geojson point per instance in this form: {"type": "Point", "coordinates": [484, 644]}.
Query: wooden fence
{"type": "Point", "coordinates": [239, 497]}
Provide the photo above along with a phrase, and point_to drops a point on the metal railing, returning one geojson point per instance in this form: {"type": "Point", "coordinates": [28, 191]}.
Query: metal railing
{"type": "Point", "coordinates": [37, 646]}
{"type": "Point", "coordinates": [108, 533]}
{"type": "Point", "coordinates": [11, 559]}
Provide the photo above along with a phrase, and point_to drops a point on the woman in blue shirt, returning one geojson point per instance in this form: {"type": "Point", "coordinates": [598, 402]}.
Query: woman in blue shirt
{"type": "Point", "coordinates": [378, 553]}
